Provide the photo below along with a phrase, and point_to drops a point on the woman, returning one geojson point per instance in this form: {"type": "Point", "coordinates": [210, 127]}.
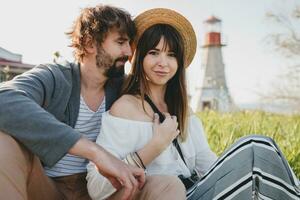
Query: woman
{"type": "Point", "coordinates": [164, 46]}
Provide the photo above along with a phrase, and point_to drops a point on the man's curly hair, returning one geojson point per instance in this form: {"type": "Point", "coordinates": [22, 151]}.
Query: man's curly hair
{"type": "Point", "coordinates": [94, 23]}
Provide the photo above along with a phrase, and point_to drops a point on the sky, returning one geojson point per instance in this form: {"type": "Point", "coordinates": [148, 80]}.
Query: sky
{"type": "Point", "coordinates": [35, 29]}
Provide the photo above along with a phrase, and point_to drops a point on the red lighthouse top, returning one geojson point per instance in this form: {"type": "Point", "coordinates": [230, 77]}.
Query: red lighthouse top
{"type": "Point", "coordinates": [213, 32]}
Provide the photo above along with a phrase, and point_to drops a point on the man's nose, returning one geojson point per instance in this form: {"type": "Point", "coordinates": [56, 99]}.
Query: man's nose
{"type": "Point", "coordinates": [127, 50]}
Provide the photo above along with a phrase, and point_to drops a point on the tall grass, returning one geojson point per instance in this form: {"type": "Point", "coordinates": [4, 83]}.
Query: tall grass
{"type": "Point", "coordinates": [224, 129]}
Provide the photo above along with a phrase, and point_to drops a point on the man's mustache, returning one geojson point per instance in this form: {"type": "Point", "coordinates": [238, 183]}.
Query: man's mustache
{"type": "Point", "coordinates": [122, 59]}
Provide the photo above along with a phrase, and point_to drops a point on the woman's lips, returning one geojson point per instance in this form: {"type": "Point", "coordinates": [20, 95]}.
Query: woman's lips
{"type": "Point", "coordinates": [160, 73]}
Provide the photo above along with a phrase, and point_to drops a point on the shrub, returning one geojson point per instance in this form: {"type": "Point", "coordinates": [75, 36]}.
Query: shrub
{"type": "Point", "coordinates": [223, 129]}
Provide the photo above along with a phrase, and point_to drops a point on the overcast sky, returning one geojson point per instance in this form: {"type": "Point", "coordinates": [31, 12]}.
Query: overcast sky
{"type": "Point", "coordinates": [35, 29]}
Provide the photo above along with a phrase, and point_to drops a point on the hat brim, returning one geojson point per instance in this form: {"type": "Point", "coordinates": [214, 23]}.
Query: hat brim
{"type": "Point", "coordinates": [166, 16]}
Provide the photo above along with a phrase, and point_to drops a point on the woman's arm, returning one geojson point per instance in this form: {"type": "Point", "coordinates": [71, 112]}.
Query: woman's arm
{"type": "Point", "coordinates": [205, 157]}
{"type": "Point", "coordinates": [163, 133]}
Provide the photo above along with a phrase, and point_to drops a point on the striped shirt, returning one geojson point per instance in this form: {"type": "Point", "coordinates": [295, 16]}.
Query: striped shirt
{"type": "Point", "coordinates": [88, 124]}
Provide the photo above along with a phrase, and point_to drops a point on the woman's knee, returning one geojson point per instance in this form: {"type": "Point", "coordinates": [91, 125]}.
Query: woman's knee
{"type": "Point", "coordinates": [257, 139]}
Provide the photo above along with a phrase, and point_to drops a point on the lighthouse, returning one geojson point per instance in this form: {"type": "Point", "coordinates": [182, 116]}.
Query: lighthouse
{"type": "Point", "coordinates": [214, 92]}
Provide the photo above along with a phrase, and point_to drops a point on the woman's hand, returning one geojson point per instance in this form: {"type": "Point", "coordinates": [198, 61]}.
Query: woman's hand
{"type": "Point", "coordinates": [164, 133]}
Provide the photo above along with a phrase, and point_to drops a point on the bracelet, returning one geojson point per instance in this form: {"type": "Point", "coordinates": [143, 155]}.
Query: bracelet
{"type": "Point", "coordinates": [135, 160]}
{"type": "Point", "coordinates": [132, 159]}
{"type": "Point", "coordinates": [129, 160]}
{"type": "Point", "coordinates": [137, 155]}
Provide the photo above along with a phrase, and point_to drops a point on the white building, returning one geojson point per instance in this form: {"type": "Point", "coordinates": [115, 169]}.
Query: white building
{"type": "Point", "coordinates": [11, 65]}
{"type": "Point", "coordinates": [214, 93]}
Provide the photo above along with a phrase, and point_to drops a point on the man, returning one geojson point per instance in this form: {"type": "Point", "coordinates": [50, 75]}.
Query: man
{"type": "Point", "coordinates": [52, 115]}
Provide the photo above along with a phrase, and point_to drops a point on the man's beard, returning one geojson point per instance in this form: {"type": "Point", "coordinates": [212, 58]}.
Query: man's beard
{"type": "Point", "coordinates": [105, 61]}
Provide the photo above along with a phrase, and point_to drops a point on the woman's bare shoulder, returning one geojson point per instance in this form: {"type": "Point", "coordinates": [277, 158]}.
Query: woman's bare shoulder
{"type": "Point", "coordinates": [125, 107]}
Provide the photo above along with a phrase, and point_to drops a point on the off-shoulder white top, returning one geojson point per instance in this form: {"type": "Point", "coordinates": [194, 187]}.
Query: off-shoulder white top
{"type": "Point", "coordinates": [122, 136]}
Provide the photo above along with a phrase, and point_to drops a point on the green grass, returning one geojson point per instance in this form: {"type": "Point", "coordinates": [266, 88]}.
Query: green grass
{"type": "Point", "coordinates": [224, 129]}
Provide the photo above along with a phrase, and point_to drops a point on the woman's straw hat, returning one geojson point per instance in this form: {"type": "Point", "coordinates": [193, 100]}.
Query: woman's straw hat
{"type": "Point", "coordinates": [166, 16]}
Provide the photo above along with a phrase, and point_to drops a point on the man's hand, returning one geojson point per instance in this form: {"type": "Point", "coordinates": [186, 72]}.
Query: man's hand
{"type": "Point", "coordinates": [120, 175]}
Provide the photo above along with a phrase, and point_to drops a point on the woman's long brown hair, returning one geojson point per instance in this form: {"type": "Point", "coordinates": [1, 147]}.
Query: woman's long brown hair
{"type": "Point", "coordinates": [176, 94]}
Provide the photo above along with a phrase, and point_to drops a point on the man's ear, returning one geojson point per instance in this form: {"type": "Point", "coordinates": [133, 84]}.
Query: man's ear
{"type": "Point", "coordinates": [90, 45]}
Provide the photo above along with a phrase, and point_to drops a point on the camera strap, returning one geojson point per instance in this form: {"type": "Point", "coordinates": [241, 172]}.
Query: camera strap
{"type": "Point", "coordinates": [190, 183]}
{"type": "Point", "coordinates": [161, 119]}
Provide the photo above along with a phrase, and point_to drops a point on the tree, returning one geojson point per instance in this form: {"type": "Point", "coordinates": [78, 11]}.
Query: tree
{"type": "Point", "coordinates": [56, 56]}
{"type": "Point", "coordinates": [286, 42]}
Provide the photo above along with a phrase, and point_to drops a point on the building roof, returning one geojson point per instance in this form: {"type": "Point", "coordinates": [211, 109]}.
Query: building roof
{"type": "Point", "coordinates": [7, 55]}
{"type": "Point", "coordinates": [13, 60]}
{"type": "Point", "coordinates": [212, 19]}
{"type": "Point", "coordinates": [15, 64]}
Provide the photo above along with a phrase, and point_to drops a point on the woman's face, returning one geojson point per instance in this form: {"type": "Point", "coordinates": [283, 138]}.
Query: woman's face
{"type": "Point", "coordinates": [160, 64]}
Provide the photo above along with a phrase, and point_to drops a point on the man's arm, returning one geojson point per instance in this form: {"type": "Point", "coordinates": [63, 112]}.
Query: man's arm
{"type": "Point", "coordinates": [24, 118]}
{"type": "Point", "coordinates": [121, 175]}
